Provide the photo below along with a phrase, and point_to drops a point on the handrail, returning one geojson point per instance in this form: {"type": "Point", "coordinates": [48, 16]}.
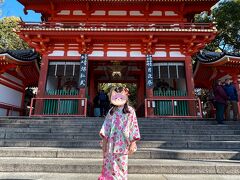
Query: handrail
{"type": "Point", "coordinates": [83, 104]}
{"type": "Point", "coordinates": [172, 100]}
{"type": "Point", "coordinates": [10, 106]}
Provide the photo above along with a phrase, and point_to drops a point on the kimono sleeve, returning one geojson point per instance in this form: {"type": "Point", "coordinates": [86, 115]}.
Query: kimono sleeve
{"type": "Point", "coordinates": [106, 127]}
{"type": "Point", "coordinates": [134, 134]}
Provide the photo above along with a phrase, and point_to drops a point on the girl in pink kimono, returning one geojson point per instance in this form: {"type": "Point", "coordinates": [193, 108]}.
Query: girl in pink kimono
{"type": "Point", "coordinates": [119, 133]}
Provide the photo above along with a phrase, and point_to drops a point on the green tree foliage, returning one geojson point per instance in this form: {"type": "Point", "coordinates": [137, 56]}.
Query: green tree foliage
{"type": "Point", "coordinates": [131, 86]}
{"type": "Point", "coordinates": [227, 18]}
{"type": "Point", "coordinates": [8, 38]}
{"type": "Point", "coordinates": [203, 18]}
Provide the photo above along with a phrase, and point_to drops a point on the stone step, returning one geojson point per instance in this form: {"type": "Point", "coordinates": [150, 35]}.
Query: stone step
{"type": "Point", "coordinates": [142, 130]}
{"type": "Point", "coordinates": [92, 176]}
{"type": "Point", "coordinates": [161, 127]}
{"type": "Point", "coordinates": [25, 130]}
{"type": "Point", "coordinates": [142, 144]}
{"type": "Point", "coordinates": [193, 132]}
{"type": "Point", "coordinates": [64, 118]}
{"type": "Point", "coordinates": [142, 153]}
{"type": "Point", "coordinates": [146, 126]}
{"type": "Point", "coordinates": [169, 137]}
{"type": "Point", "coordinates": [95, 136]}
{"type": "Point", "coordinates": [136, 166]}
{"type": "Point", "coordinates": [163, 131]}
{"type": "Point", "coordinates": [14, 125]}
{"type": "Point", "coordinates": [100, 121]}
{"type": "Point", "coordinates": [156, 121]}
{"type": "Point", "coordinates": [97, 120]}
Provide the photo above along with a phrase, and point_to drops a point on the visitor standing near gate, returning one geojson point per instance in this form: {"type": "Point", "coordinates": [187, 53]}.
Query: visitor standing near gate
{"type": "Point", "coordinates": [119, 133]}
{"type": "Point", "coordinates": [220, 101]}
{"type": "Point", "coordinates": [103, 100]}
{"type": "Point", "coordinates": [96, 106]}
{"type": "Point", "coordinates": [232, 103]}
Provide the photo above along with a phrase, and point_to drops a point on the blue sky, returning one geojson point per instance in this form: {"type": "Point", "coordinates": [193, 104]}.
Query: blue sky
{"type": "Point", "coordinates": [14, 8]}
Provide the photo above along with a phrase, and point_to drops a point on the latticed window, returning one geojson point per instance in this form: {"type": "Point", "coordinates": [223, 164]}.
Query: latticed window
{"type": "Point", "coordinates": [63, 78]}
{"type": "Point", "coordinates": [169, 79]}
{"type": "Point", "coordinates": [168, 70]}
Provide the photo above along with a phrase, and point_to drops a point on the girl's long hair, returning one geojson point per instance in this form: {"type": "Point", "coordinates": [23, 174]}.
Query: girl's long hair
{"type": "Point", "coordinates": [114, 107]}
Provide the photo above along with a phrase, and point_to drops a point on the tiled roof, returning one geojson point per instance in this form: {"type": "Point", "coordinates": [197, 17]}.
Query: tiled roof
{"type": "Point", "coordinates": [22, 55]}
{"type": "Point", "coordinates": [210, 57]}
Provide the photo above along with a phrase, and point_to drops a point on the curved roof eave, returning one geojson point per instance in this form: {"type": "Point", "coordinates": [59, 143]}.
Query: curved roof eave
{"type": "Point", "coordinates": [21, 55]}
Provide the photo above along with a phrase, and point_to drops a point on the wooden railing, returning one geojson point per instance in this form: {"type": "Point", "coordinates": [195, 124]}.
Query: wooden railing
{"type": "Point", "coordinates": [173, 107]}
{"type": "Point", "coordinates": [62, 92]}
{"type": "Point", "coordinates": [117, 26]}
{"type": "Point", "coordinates": [10, 108]}
{"type": "Point", "coordinates": [169, 93]}
{"type": "Point", "coordinates": [58, 107]}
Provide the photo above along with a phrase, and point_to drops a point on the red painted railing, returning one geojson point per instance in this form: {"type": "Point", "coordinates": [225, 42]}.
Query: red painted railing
{"type": "Point", "coordinates": [118, 26]}
{"type": "Point", "coordinates": [173, 107]}
{"type": "Point", "coordinates": [10, 108]}
{"type": "Point", "coordinates": [58, 107]}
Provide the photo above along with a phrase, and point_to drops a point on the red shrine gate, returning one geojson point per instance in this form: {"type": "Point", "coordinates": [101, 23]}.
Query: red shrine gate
{"type": "Point", "coordinates": [149, 43]}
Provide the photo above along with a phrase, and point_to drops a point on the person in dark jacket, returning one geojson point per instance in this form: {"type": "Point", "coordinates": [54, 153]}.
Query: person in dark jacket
{"type": "Point", "coordinates": [103, 99]}
{"type": "Point", "coordinates": [220, 101]}
{"type": "Point", "coordinates": [96, 104]}
{"type": "Point", "coordinates": [232, 94]}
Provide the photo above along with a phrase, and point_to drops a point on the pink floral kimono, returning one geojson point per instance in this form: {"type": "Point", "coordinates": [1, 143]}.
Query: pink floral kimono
{"type": "Point", "coordinates": [119, 130]}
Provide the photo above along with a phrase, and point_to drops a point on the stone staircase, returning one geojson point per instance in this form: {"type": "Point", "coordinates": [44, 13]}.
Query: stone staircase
{"type": "Point", "coordinates": [71, 145]}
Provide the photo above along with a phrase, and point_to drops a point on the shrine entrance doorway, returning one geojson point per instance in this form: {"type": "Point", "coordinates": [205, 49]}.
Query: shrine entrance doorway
{"type": "Point", "coordinates": [104, 75]}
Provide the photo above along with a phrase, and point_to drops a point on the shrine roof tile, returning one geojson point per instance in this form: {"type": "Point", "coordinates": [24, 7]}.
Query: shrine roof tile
{"type": "Point", "coordinates": [22, 55]}
{"type": "Point", "coordinates": [211, 57]}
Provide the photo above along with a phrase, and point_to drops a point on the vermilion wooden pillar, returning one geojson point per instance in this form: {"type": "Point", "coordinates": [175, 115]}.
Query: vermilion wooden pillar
{"type": "Point", "coordinates": [189, 76]}
{"type": "Point", "coordinates": [190, 84]}
{"type": "Point", "coordinates": [43, 76]}
{"type": "Point", "coordinates": [141, 93]}
{"type": "Point", "coordinates": [23, 102]}
{"type": "Point", "coordinates": [41, 84]}
{"type": "Point", "coordinates": [82, 92]}
{"type": "Point", "coordinates": [141, 88]}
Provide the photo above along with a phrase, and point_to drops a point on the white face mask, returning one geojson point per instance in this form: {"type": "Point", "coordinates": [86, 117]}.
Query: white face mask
{"type": "Point", "coordinates": [119, 98]}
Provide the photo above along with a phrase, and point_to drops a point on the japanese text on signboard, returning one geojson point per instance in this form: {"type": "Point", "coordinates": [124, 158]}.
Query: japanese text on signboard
{"type": "Point", "coordinates": [149, 72]}
{"type": "Point", "coordinates": [83, 71]}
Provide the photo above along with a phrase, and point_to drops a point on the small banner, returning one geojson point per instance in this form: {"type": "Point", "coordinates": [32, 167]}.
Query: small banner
{"type": "Point", "coordinates": [83, 71]}
{"type": "Point", "coordinates": [149, 72]}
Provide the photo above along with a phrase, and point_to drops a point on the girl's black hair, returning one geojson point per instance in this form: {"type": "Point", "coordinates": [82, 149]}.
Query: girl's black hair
{"type": "Point", "coordinates": [114, 108]}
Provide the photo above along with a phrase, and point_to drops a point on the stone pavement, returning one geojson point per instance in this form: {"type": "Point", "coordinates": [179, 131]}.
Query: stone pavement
{"type": "Point", "coordinates": [72, 176]}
